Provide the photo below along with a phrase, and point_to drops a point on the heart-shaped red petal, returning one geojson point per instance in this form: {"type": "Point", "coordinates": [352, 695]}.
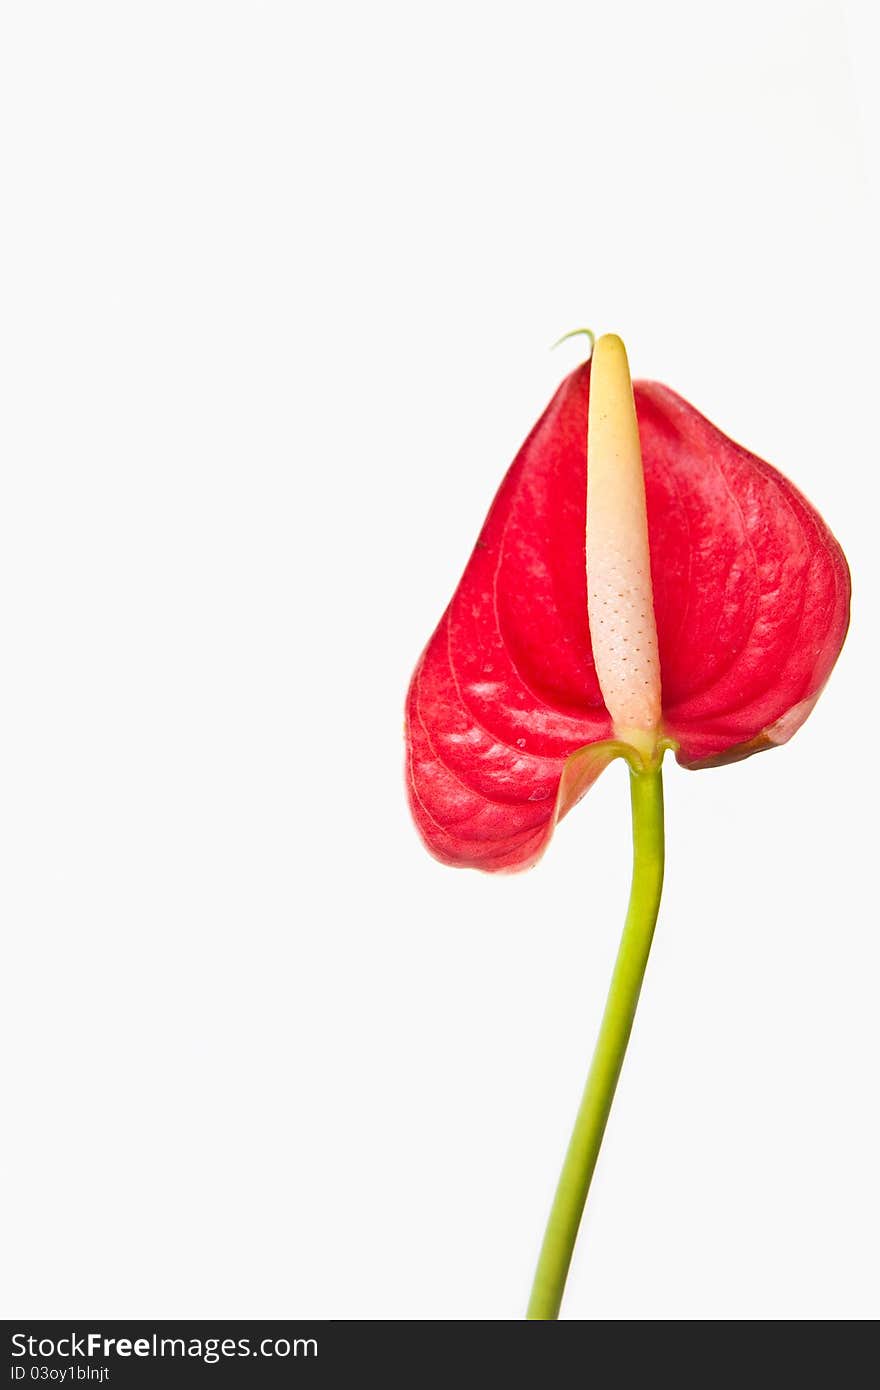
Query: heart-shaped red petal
{"type": "Point", "coordinates": [751, 599]}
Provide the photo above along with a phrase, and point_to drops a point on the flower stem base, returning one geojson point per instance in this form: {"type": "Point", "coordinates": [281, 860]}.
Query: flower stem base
{"type": "Point", "coordinates": [646, 789]}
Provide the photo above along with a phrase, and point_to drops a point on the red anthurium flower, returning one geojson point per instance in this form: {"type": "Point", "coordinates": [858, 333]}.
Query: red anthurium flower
{"type": "Point", "coordinates": [576, 636]}
{"type": "Point", "coordinates": [641, 583]}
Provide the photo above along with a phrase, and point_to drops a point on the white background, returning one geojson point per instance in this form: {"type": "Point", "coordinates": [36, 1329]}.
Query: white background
{"type": "Point", "coordinates": [278, 283]}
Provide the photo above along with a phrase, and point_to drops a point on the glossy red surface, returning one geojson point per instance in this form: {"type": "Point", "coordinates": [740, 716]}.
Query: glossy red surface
{"type": "Point", "coordinates": [751, 597]}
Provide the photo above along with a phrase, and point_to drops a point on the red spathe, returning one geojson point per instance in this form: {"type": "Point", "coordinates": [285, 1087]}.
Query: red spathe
{"type": "Point", "coordinates": [751, 598]}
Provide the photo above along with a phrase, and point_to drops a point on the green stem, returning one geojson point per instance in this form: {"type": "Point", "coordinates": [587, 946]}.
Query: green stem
{"type": "Point", "coordinates": [646, 788]}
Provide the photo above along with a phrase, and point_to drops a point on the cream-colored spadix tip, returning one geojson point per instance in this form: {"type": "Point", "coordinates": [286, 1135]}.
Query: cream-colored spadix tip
{"type": "Point", "coordinates": [620, 598]}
